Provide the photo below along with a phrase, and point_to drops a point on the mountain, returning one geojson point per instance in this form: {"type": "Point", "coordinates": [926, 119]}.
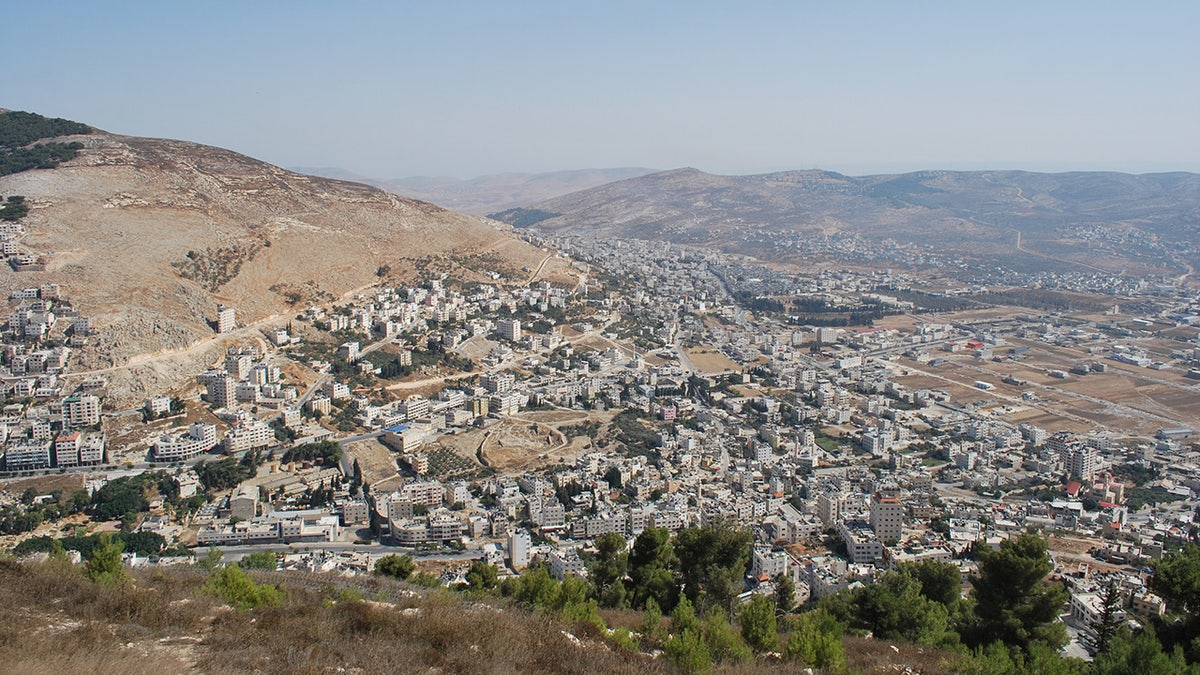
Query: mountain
{"type": "Point", "coordinates": [147, 236]}
{"type": "Point", "coordinates": [487, 194]}
{"type": "Point", "coordinates": [1111, 220]}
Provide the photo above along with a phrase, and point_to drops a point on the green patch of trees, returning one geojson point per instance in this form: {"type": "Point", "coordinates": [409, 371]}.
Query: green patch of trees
{"type": "Point", "coordinates": [19, 129]}
{"type": "Point", "coordinates": [233, 586]}
{"type": "Point", "coordinates": [14, 209]}
{"type": "Point", "coordinates": [141, 543]}
{"type": "Point", "coordinates": [395, 566]}
{"type": "Point", "coordinates": [227, 473]}
{"type": "Point", "coordinates": [328, 452]}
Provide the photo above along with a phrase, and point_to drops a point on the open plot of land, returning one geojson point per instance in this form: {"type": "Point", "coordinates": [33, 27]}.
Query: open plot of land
{"type": "Point", "coordinates": [1126, 398]}
{"type": "Point", "coordinates": [378, 464]}
{"type": "Point", "coordinates": [711, 361]}
{"type": "Point", "coordinates": [532, 440]}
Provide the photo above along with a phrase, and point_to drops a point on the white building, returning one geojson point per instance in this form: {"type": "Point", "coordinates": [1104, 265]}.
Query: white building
{"type": "Point", "coordinates": [248, 436]}
{"type": "Point", "coordinates": [509, 329]}
{"type": "Point", "coordinates": [226, 319]}
{"type": "Point", "coordinates": [519, 546]}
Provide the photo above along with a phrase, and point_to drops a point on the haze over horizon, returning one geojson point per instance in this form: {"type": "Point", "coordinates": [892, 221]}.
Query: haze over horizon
{"type": "Point", "coordinates": [397, 90]}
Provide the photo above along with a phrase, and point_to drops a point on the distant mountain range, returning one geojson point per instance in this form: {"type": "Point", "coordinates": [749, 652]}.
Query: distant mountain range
{"type": "Point", "coordinates": [1113, 221]}
{"type": "Point", "coordinates": [486, 194]}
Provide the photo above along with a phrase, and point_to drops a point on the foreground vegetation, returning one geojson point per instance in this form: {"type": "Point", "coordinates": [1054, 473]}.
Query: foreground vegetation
{"type": "Point", "coordinates": [666, 604]}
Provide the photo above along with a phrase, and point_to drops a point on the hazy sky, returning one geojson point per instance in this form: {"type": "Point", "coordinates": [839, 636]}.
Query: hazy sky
{"type": "Point", "coordinates": [392, 89]}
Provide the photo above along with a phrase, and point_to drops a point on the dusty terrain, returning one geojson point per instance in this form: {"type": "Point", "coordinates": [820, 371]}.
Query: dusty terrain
{"type": "Point", "coordinates": [147, 236]}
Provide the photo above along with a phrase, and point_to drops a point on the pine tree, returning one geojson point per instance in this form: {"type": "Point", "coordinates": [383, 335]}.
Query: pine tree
{"type": "Point", "coordinates": [1110, 605]}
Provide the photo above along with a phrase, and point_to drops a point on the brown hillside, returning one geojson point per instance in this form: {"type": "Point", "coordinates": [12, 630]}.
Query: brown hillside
{"type": "Point", "coordinates": [118, 222]}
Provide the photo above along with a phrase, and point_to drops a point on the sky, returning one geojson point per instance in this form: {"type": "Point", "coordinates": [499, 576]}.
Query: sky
{"type": "Point", "coordinates": [463, 88]}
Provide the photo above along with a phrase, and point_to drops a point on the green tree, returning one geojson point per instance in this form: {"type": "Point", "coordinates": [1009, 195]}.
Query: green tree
{"type": "Point", "coordinates": [259, 560]}
{"type": "Point", "coordinates": [104, 564]}
{"type": "Point", "coordinates": [713, 560]}
{"type": "Point", "coordinates": [816, 642]}
{"type": "Point", "coordinates": [893, 608]}
{"type": "Point", "coordinates": [232, 585]}
{"type": "Point", "coordinates": [688, 651]}
{"type": "Point", "coordinates": [1140, 654]}
{"type": "Point", "coordinates": [212, 559]}
{"type": "Point", "coordinates": [785, 593]}
{"type": "Point", "coordinates": [607, 573]}
{"type": "Point", "coordinates": [1106, 626]}
{"type": "Point", "coordinates": [650, 569]}
{"type": "Point", "coordinates": [757, 619]}
{"type": "Point", "coordinates": [724, 643]}
{"type": "Point", "coordinates": [1177, 579]}
{"type": "Point", "coordinates": [397, 566]}
{"type": "Point", "coordinates": [1013, 603]}
{"type": "Point", "coordinates": [482, 576]}
{"type": "Point", "coordinates": [940, 582]}
{"type": "Point", "coordinates": [533, 588]}
{"type": "Point", "coordinates": [652, 626]}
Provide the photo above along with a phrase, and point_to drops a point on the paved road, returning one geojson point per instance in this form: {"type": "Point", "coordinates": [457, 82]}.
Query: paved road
{"type": "Point", "coordinates": [235, 553]}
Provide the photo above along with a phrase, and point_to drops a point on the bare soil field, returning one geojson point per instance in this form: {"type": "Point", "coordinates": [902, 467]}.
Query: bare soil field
{"type": "Point", "coordinates": [534, 439]}
{"type": "Point", "coordinates": [710, 360]}
{"type": "Point", "coordinates": [377, 462]}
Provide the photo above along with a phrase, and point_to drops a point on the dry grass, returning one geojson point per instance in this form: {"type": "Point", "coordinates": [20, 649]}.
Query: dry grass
{"type": "Point", "coordinates": [161, 622]}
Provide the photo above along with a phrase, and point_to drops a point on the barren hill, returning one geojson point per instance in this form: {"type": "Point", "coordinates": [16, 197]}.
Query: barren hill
{"type": "Point", "coordinates": [147, 236]}
{"type": "Point", "coordinates": [486, 194]}
{"type": "Point", "coordinates": [1094, 217]}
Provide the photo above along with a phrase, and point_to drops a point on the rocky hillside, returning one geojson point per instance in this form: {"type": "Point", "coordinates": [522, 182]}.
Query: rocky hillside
{"type": "Point", "coordinates": [147, 236]}
{"type": "Point", "coordinates": [1090, 216]}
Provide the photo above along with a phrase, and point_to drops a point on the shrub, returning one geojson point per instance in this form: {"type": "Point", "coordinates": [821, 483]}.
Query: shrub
{"type": "Point", "coordinates": [238, 590]}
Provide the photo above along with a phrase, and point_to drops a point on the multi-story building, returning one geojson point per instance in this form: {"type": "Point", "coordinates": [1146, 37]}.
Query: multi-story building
{"type": "Point", "coordinates": [248, 435]}
{"type": "Point", "coordinates": [226, 319]}
{"type": "Point", "coordinates": [861, 543]}
{"type": "Point", "coordinates": [222, 392]}
{"type": "Point", "coordinates": [81, 411]}
{"type": "Point", "coordinates": [158, 405]}
{"type": "Point", "coordinates": [567, 562]}
{"type": "Point", "coordinates": [27, 453]}
{"type": "Point", "coordinates": [887, 518]}
{"type": "Point", "coordinates": [509, 329]}
{"type": "Point", "coordinates": [1082, 462]}
{"type": "Point", "coordinates": [498, 382]}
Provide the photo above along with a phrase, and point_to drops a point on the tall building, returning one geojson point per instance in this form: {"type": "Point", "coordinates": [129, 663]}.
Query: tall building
{"type": "Point", "coordinates": [509, 329]}
{"type": "Point", "coordinates": [81, 411]}
{"type": "Point", "coordinates": [519, 544]}
{"type": "Point", "coordinates": [829, 509]}
{"type": "Point", "coordinates": [222, 392]}
{"type": "Point", "coordinates": [887, 518]}
{"type": "Point", "coordinates": [1083, 462]}
{"type": "Point", "coordinates": [226, 319]}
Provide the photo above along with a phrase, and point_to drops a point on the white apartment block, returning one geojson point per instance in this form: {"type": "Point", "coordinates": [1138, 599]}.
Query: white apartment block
{"type": "Point", "coordinates": [887, 518]}
{"type": "Point", "coordinates": [226, 319]}
{"type": "Point", "coordinates": [199, 438]}
{"type": "Point", "coordinates": [248, 436]}
{"type": "Point", "coordinates": [509, 329]}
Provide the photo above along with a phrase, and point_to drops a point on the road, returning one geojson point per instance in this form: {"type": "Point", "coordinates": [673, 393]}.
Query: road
{"type": "Point", "coordinates": [320, 381]}
{"type": "Point", "coordinates": [235, 553]}
{"type": "Point", "coordinates": [539, 269]}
